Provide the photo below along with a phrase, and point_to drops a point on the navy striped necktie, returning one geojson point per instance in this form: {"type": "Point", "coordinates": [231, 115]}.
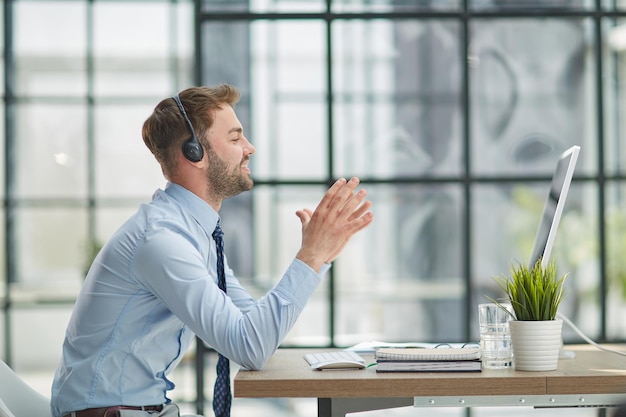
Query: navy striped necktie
{"type": "Point", "coordinates": [222, 397]}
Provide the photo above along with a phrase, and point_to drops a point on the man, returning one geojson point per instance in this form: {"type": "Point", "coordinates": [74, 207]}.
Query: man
{"type": "Point", "coordinates": [160, 279]}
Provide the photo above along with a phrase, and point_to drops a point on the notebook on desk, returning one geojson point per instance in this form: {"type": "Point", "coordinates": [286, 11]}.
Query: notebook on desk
{"type": "Point", "coordinates": [429, 366]}
{"type": "Point", "coordinates": [446, 359]}
{"type": "Point", "coordinates": [434, 354]}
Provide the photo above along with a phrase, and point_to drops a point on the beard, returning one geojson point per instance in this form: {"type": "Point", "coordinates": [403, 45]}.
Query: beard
{"type": "Point", "coordinates": [226, 181]}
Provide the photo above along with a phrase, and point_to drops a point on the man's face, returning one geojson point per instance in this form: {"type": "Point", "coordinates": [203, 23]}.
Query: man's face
{"type": "Point", "coordinates": [228, 155]}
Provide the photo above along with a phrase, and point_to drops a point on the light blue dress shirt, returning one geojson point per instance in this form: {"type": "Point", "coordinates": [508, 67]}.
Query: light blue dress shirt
{"type": "Point", "coordinates": [153, 287]}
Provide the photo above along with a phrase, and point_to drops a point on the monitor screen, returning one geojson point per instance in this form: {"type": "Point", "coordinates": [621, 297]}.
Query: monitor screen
{"type": "Point", "coordinates": [553, 208]}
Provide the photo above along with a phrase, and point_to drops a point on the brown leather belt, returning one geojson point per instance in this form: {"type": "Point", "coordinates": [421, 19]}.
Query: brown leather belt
{"type": "Point", "coordinates": [112, 411]}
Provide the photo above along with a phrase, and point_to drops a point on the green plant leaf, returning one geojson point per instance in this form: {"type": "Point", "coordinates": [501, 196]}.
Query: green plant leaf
{"type": "Point", "coordinates": [535, 293]}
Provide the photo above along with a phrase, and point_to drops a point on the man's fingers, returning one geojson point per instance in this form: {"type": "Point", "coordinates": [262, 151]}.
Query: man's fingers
{"type": "Point", "coordinates": [346, 193]}
{"type": "Point", "coordinates": [355, 226]}
{"type": "Point", "coordinates": [341, 213]}
{"type": "Point", "coordinates": [353, 203]}
{"type": "Point", "coordinates": [362, 209]}
{"type": "Point", "coordinates": [331, 193]}
{"type": "Point", "coordinates": [345, 203]}
{"type": "Point", "coordinates": [304, 215]}
{"type": "Point", "coordinates": [339, 193]}
{"type": "Point", "coordinates": [362, 222]}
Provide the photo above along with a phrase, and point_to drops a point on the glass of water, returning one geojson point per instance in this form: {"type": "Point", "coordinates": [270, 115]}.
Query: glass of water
{"type": "Point", "coordinates": [495, 338]}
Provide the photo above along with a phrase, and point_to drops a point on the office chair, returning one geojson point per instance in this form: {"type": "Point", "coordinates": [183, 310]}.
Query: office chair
{"type": "Point", "coordinates": [17, 399]}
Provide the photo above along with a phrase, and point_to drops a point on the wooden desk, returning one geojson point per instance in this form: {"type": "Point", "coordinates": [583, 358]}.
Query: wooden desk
{"type": "Point", "coordinates": [594, 378]}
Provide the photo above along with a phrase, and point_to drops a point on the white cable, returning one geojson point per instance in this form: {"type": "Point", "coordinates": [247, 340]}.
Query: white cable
{"type": "Point", "coordinates": [587, 339]}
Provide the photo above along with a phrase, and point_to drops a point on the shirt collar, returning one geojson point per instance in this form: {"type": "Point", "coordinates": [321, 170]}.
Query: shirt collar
{"type": "Point", "coordinates": [204, 214]}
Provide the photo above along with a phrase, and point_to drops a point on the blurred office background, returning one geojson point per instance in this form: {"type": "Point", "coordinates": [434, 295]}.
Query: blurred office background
{"type": "Point", "coordinates": [452, 112]}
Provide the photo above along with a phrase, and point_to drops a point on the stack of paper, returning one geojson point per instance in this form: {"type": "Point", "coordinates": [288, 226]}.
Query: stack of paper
{"type": "Point", "coordinates": [442, 359]}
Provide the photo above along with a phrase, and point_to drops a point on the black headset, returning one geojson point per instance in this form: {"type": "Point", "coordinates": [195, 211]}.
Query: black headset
{"type": "Point", "coordinates": [192, 149]}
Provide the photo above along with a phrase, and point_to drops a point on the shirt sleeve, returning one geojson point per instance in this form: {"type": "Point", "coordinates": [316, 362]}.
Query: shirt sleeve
{"type": "Point", "coordinates": [170, 266]}
{"type": "Point", "coordinates": [236, 292]}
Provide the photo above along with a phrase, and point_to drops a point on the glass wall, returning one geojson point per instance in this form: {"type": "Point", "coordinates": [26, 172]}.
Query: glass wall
{"type": "Point", "coordinates": [452, 112]}
{"type": "Point", "coordinates": [80, 80]}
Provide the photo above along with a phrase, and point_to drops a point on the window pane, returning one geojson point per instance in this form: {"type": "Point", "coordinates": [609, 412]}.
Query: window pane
{"type": "Point", "coordinates": [49, 56]}
{"type": "Point", "coordinates": [277, 238]}
{"type": "Point", "coordinates": [531, 4]}
{"type": "Point", "coordinates": [226, 53]}
{"type": "Point", "coordinates": [263, 5]}
{"type": "Point", "coordinates": [614, 4]}
{"type": "Point", "coordinates": [398, 98]}
{"type": "Point", "coordinates": [407, 264]}
{"type": "Point", "coordinates": [131, 62]}
{"type": "Point", "coordinates": [614, 95]}
{"type": "Point", "coordinates": [285, 67]}
{"type": "Point", "coordinates": [2, 149]}
{"type": "Point", "coordinates": [3, 255]}
{"type": "Point", "coordinates": [616, 261]}
{"type": "Point", "coordinates": [504, 222]}
{"type": "Point", "coordinates": [238, 224]}
{"type": "Point", "coordinates": [51, 152]}
{"type": "Point", "coordinates": [109, 219]}
{"type": "Point", "coordinates": [3, 329]}
{"type": "Point", "coordinates": [37, 340]}
{"type": "Point", "coordinates": [51, 249]}
{"type": "Point", "coordinates": [530, 95]}
{"type": "Point", "coordinates": [282, 91]}
{"type": "Point", "coordinates": [288, 100]}
{"type": "Point", "coordinates": [388, 6]}
{"type": "Point", "coordinates": [182, 56]}
{"type": "Point", "coordinates": [2, 45]}
{"type": "Point", "coordinates": [124, 165]}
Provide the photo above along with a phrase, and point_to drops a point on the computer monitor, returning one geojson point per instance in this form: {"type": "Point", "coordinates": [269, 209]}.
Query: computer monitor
{"type": "Point", "coordinates": [553, 208]}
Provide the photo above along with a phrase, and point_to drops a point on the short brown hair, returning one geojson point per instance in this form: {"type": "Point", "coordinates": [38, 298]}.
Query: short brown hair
{"type": "Point", "coordinates": [165, 131]}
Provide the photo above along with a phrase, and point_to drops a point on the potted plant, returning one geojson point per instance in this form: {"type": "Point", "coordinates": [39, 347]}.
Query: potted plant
{"type": "Point", "coordinates": [535, 294]}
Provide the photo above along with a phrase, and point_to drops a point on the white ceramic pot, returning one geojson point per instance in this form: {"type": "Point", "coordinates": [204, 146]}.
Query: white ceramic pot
{"type": "Point", "coordinates": [536, 344]}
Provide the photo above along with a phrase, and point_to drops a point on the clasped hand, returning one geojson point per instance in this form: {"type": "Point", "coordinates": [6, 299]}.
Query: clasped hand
{"type": "Point", "coordinates": [341, 213]}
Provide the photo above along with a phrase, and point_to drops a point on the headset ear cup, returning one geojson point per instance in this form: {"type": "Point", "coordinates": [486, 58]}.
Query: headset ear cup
{"type": "Point", "coordinates": [193, 150]}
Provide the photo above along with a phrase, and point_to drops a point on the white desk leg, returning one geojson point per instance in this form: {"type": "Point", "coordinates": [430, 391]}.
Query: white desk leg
{"type": "Point", "coordinates": [339, 407]}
